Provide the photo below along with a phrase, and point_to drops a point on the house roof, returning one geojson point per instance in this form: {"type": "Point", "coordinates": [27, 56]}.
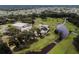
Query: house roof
{"type": "Point", "coordinates": [18, 24]}
{"type": "Point", "coordinates": [43, 25]}
{"type": "Point", "coordinates": [22, 26]}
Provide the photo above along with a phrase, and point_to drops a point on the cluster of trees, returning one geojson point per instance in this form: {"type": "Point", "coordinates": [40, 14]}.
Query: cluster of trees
{"type": "Point", "coordinates": [71, 17]}
{"type": "Point", "coordinates": [74, 20]}
{"type": "Point", "coordinates": [13, 18]}
{"type": "Point", "coordinates": [23, 18]}
{"type": "Point", "coordinates": [5, 20]}
{"type": "Point", "coordinates": [76, 42]}
{"type": "Point", "coordinates": [45, 14]}
{"type": "Point", "coordinates": [21, 39]}
{"type": "Point", "coordinates": [4, 49]}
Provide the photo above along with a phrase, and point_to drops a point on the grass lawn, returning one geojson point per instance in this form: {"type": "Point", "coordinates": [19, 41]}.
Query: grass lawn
{"type": "Point", "coordinates": [65, 46]}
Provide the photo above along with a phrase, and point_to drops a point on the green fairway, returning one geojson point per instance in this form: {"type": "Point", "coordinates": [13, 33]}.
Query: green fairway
{"type": "Point", "coordinates": [65, 46]}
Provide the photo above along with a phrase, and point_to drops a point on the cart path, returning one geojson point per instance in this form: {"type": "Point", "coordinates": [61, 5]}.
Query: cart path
{"type": "Point", "coordinates": [45, 49]}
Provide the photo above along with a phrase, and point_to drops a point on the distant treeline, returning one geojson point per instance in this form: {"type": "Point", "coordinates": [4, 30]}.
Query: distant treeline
{"type": "Point", "coordinates": [71, 17]}
{"type": "Point", "coordinates": [13, 18]}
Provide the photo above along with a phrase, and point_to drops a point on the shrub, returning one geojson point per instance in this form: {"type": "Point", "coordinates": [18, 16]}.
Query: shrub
{"type": "Point", "coordinates": [76, 42]}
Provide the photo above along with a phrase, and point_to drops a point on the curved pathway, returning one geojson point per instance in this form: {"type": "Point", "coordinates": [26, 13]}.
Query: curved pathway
{"type": "Point", "coordinates": [45, 49]}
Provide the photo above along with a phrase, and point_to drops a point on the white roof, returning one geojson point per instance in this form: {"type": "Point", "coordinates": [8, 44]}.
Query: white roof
{"type": "Point", "coordinates": [43, 25]}
{"type": "Point", "coordinates": [26, 28]}
{"type": "Point", "coordinates": [22, 26]}
{"type": "Point", "coordinates": [18, 24]}
{"type": "Point", "coordinates": [43, 32]}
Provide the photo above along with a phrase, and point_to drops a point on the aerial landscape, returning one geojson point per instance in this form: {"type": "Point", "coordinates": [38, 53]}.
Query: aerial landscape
{"type": "Point", "coordinates": [39, 29]}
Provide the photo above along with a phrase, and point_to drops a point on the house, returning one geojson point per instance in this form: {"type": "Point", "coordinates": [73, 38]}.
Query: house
{"type": "Point", "coordinates": [22, 26]}
{"type": "Point", "coordinates": [43, 29]}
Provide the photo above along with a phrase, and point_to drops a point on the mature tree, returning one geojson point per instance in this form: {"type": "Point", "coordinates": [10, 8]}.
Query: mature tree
{"type": "Point", "coordinates": [76, 42]}
{"type": "Point", "coordinates": [26, 20]}
{"type": "Point", "coordinates": [4, 49]}
{"type": "Point", "coordinates": [13, 31]}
